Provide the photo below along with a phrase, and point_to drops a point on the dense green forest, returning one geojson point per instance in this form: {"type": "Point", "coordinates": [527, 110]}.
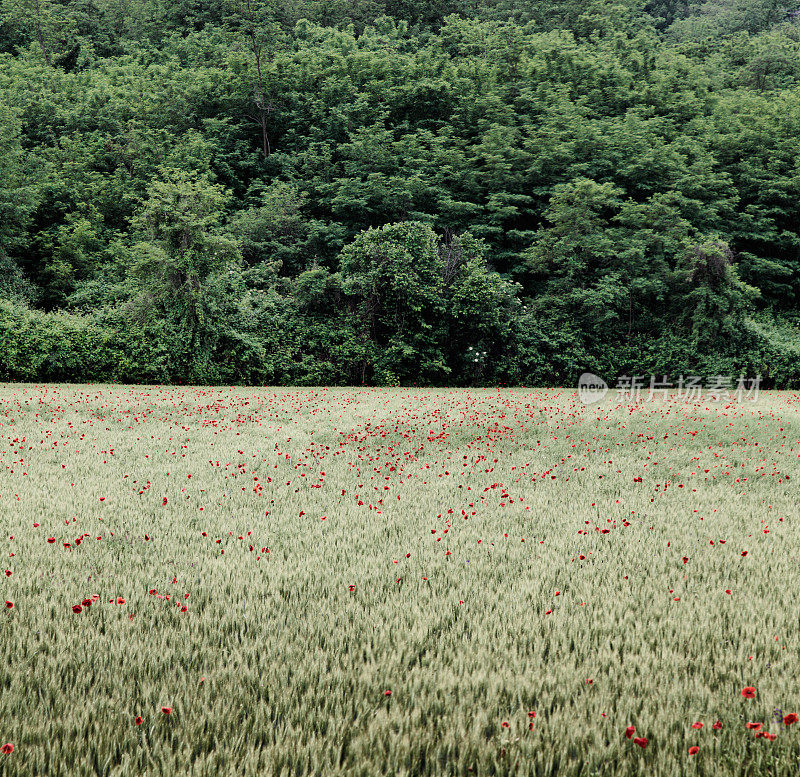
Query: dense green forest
{"type": "Point", "coordinates": [435, 192]}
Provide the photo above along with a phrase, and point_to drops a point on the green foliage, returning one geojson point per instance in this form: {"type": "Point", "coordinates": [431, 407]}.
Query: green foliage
{"type": "Point", "coordinates": [187, 276]}
{"type": "Point", "coordinates": [17, 202]}
{"type": "Point", "coordinates": [276, 232]}
{"type": "Point", "coordinates": [265, 190]}
{"type": "Point", "coordinates": [423, 306]}
{"type": "Point", "coordinates": [50, 25]}
{"type": "Point", "coordinates": [392, 275]}
{"type": "Point", "coordinates": [715, 301]}
{"type": "Point", "coordinates": [36, 346]}
{"type": "Point", "coordinates": [604, 263]}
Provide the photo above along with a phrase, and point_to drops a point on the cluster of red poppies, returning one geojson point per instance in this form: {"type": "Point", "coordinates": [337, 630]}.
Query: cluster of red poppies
{"type": "Point", "coordinates": [748, 692]}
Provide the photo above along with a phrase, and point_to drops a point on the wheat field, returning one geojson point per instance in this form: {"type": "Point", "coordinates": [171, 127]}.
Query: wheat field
{"type": "Point", "coordinates": [279, 581]}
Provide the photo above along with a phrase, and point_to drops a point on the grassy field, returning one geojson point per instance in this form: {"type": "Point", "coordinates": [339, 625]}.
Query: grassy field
{"type": "Point", "coordinates": [366, 582]}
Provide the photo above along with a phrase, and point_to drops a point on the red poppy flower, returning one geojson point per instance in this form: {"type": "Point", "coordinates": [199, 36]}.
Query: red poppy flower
{"type": "Point", "coordinates": [8, 573]}
{"type": "Point", "coordinates": [749, 692]}
{"type": "Point", "coordinates": [351, 588]}
{"type": "Point", "coordinates": [789, 719]}
{"type": "Point", "coordinates": [166, 710]}
{"type": "Point", "coordinates": [164, 502]}
{"type": "Point", "coordinates": [77, 609]}
{"type": "Point", "coordinates": [697, 725]}
{"type": "Point", "coordinates": [641, 741]}
{"type": "Point", "coordinates": [771, 737]}
{"type": "Point", "coordinates": [744, 553]}
{"type": "Point", "coordinates": [630, 731]}
{"type": "Point", "coordinates": [387, 693]}
{"type": "Point", "coordinates": [120, 600]}
{"type": "Point", "coordinates": [505, 724]}
{"type": "Point", "coordinates": [717, 725]}
{"type": "Point", "coordinates": [753, 726]}
{"type": "Point", "coordinates": [693, 750]}
{"type": "Point", "coordinates": [138, 720]}
{"type": "Point", "coordinates": [531, 714]}
{"type": "Point", "coordinates": [51, 540]}
{"type": "Point", "coordinates": [7, 748]}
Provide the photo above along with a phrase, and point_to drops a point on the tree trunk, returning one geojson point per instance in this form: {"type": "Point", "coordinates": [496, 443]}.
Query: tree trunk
{"type": "Point", "coordinates": [263, 110]}
{"type": "Point", "coordinates": [40, 33]}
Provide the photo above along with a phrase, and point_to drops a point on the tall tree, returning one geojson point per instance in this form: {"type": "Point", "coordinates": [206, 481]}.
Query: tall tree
{"type": "Point", "coordinates": [257, 25]}
{"type": "Point", "coordinates": [48, 23]}
{"type": "Point", "coordinates": [185, 268]}
{"type": "Point", "coordinates": [18, 197]}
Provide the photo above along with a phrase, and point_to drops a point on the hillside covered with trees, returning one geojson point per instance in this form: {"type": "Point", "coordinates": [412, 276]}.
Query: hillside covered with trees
{"type": "Point", "coordinates": [439, 192]}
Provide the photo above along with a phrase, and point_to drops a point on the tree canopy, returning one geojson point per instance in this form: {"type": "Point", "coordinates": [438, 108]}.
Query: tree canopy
{"type": "Point", "coordinates": [398, 191]}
